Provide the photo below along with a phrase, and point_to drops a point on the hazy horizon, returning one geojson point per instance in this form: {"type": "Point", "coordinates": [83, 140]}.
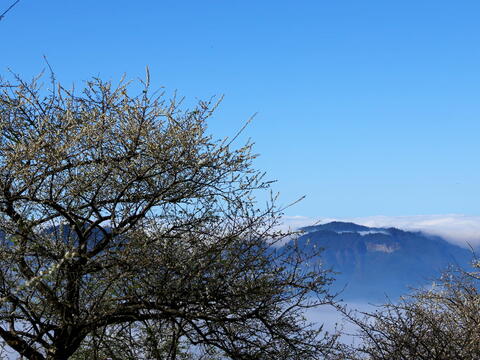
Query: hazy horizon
{"type": "Point", "coordinates": [458, 229]}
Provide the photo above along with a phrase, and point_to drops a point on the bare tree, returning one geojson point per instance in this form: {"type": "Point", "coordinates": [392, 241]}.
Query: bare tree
{"type": "Point", "coordinates": [440, 323]}
{"type": "Point", "coordinates": [118, 211]}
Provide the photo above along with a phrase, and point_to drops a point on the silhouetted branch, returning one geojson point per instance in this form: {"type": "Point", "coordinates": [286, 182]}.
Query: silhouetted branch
{"type": "Point", "coordinates": [9, 8]}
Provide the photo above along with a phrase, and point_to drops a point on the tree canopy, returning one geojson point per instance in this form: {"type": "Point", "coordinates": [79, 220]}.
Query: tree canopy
{"type": "Point", "coordinates": [120, 216]}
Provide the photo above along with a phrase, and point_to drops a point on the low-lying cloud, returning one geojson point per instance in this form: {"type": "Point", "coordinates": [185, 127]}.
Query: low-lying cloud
{"type": "Point", "coordinates": [462, 230]}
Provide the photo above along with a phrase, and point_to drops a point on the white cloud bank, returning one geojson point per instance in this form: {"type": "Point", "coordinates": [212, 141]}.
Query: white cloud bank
{"type": "Point", "coordinates": [462, 230]}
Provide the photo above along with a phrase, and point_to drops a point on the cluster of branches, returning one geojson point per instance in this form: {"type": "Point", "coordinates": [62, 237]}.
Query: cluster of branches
{"type": "Point", "coordinates": [439, 323]}
{"type": "Point", "coordinates": [127, 232]}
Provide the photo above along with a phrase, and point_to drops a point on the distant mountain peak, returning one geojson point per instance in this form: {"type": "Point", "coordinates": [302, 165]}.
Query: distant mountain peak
{"type": "Point", "coordinates": [338, 226]}
{"type": "Point", "coordinates": [371, 262]}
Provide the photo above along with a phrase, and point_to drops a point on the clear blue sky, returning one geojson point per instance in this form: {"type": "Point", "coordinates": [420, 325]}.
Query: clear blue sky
{"type": "Point", "coordinates": [367, 107]}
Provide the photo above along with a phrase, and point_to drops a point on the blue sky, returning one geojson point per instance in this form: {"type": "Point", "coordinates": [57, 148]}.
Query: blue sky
{"type": "Point", "coordinates": [366, 107]}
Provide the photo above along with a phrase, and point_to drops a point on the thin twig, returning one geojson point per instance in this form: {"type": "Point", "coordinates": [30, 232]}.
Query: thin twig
{"type": "Point", "coordinates": [9, 8]}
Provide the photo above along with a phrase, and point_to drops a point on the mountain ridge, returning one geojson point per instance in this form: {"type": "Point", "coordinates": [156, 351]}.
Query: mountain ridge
{"type": "Point", "coordinates": [373, 263]}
